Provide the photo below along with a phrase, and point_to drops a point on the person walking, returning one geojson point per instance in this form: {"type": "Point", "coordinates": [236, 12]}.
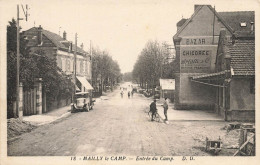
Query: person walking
{"type": "Point", "coordinates": [165, 108]}
{"type": "Point", "coordinates": [122, 94]}
{"type": "Point", "coordinates": [153, 109]}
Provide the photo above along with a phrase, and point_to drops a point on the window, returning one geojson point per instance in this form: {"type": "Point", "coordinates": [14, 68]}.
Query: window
{"type": "Point", "coordinates": [63, 64]}
{"type": "Point", "coordinates": [243, 24]}
{"type": "Point", "coordinates": [252, 85]}
{"type": "Point", "coordinates": [59, 63]}
{"type": "Point", "coordinates": [81, 67]}
{"type": "Point", "coordinates": [68, 65]}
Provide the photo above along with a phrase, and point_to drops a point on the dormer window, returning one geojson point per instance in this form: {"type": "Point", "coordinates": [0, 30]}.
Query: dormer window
{"type": "Point", "coordinates": [243, 24]}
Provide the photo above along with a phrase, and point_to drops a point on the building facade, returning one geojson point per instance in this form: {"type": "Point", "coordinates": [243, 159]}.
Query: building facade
{"type": "Point", "coordinates": [201, 82]}
{"type": "Point", "coordinates": [234, 78]}
{"type": "Point", "coordinates": [62, 51]}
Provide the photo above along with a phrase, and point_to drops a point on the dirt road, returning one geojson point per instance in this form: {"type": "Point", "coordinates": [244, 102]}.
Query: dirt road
{"type": "Point", "coordinates": [117, 126]}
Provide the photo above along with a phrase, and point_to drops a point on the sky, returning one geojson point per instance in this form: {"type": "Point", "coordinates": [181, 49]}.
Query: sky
{"type": "Point", "coordinates": [120, 27]}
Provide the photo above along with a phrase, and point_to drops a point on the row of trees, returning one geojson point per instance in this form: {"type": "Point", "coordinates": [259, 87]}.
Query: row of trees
{"type": "Point", "coordinates": [105, 71]}
{"type": "Point", "coordinates": [33, 65]}
{"type": "Point", "coordinates": [127, 76]}
{"type": "Point", "coordinates": [153, 63]}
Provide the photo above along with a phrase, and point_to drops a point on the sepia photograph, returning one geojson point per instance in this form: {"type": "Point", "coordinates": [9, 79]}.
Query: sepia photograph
{"type": "Point", "coordinates": [141, 81]}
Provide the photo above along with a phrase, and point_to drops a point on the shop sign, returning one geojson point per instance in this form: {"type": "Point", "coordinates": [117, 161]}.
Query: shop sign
{"type": "Point", "coordinates": [199, 40]}
{"type": "Point", "coordinates": [195, 61]}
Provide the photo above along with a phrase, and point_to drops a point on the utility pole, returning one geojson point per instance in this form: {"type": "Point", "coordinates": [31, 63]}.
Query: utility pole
{"type": "Point", "coordinates": [91, 62]}
{"type": "Point", "coordinates": [18, 56]}
{"type": "Point", "coordinates": [213, 25]}
{"type": "Point", "coordinates": [75, 65]}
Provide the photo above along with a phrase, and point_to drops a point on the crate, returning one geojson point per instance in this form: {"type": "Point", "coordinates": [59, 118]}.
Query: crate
{"type": "Point", "coordinates": [213, 145]}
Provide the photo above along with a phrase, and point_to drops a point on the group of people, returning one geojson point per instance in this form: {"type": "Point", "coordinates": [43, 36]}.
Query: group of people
{"type": "Point", "coordinates": [153, 108]}
{"type": "Point", "coordinates": [129, 92]}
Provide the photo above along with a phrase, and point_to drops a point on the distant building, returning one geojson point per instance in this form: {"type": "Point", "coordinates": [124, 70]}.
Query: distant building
{"type": "Point", "coordinates": [197, 44]}
{"type": "Point", "coordinates": [167, 88]}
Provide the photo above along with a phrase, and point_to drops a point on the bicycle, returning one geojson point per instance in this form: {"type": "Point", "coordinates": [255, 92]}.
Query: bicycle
{"type": "Point", "coordinates": [156, 116]}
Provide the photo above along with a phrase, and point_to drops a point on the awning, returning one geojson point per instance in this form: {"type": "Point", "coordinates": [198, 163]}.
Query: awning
{"type": "Point", "coordinates": [210, 76]}
{"type": "Point", "coordinates": [77, 88]}
{"type": "Point", "coordinates": [212, 79]}
{"type": "Point", "coordinates": [85, 83]}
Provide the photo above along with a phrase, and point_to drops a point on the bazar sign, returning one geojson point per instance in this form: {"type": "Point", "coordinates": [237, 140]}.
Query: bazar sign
{"type": "Point", "coordinates": [195, 61]}
{"type": "Point", "coordinates": [201, 40]}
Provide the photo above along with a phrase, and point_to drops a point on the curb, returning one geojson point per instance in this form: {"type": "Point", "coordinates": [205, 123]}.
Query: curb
{"type": "Point", "coordinates": [60, 117]}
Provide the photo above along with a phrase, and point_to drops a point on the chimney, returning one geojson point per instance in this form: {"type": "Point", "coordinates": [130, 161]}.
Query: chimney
{"type": "Point", "coordinates": [222, 33]}
{"type": "Point", "coordinates": [82, 46]}
{"type": "Point", "coordinates": [196, 6]}
{"type": "Point", "coordinates": [70, 46]}
{"type": "Point", "coordinates": [252, 26]}
{"type": "Point", "coordinates": [39, 35]}
{"type": "Point", "coordinates": [64, 35]}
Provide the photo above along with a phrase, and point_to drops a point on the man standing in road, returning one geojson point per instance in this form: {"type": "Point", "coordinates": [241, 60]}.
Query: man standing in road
{"type": "Point", "coordinates": [153, 108]}
{"type": "Point", "coordinates": [165, 108]}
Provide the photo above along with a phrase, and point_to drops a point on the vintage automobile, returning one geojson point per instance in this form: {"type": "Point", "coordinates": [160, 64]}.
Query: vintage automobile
{"type": "Point", "coordinates": [82, 102]}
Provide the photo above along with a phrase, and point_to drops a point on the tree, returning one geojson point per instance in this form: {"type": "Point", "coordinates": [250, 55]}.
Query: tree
{"type": "Point", "coordinates": [127, 76]}
{"type": "Point", "coordinates": [33, 65]}
{"type": "Point", "coordinates": [105, 70]}
{"type": "Point", "coordinates": [153, 64]}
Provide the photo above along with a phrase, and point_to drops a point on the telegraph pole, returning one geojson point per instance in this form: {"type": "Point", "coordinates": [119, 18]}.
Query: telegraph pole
{"type": "Point", "coordinates": [75, 64]}
{"type": "Point", "coordinates": [18, 62]}
{"type": "Point", "coordinates": [18, 56]}
{"type": "Point", "coordinates": [91, 62]}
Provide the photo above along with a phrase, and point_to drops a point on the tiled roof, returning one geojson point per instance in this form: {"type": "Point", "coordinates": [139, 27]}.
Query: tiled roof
{"type": "Point", "coordinates": [59, 41]}
{"type": "Point", "coordinates": [233, 19]}
{"type": "Point", "coordinates": [56, 39]}
{"type": "Point", "coordinates": [242, 57]}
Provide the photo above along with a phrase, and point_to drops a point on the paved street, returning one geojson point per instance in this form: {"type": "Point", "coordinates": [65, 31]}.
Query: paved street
{"type": "Point", "coordinates": [118, 126]}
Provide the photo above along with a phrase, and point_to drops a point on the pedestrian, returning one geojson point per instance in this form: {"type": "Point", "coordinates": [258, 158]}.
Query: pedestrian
{"type": "Point", "coordinates": [165, 108]}
{"type": "Point", "coordinates": [128, 94]}
{"type": "Point", "coordinates": [153, 109]}
{"type": "Point", "coordinates": [122, 94]}
{"type": "Point", "coordinates": [132, 93]}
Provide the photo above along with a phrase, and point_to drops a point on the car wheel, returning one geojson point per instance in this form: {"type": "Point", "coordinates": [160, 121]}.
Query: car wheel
{"type": "Point", "coordinates": [87, 108]}
{"type": "Point", "coordinates": [73, 110]}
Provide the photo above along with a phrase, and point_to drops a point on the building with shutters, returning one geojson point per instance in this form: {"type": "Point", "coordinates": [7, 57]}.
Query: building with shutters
{"type": "Point", "coordinates": [62, 50]}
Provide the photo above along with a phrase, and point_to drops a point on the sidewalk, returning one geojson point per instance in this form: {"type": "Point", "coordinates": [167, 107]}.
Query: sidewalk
{"type": "Point", "coordinates": [49, 116]}
{"type": "Point", "coordinates": [188, 115]}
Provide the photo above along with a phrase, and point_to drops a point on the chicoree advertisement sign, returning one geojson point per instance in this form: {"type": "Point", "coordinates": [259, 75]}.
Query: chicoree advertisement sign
{"type": "Point", "coordinates": [197, 55]}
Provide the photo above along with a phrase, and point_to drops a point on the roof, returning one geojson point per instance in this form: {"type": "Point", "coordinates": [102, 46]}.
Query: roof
{"type": "Point", "coordinates": [181, 22]}
{"type": "Point", "coordinates": [57, 40]}
{"type": "Point", "coordinates": [195, 13]}
{"type": "Point", "coordinates": [231, 20]}
{"type": "Point", "coordinates": [167, 84]}
{"type": "Point", "coordinates": [242, 57]}
{"type": "Point", "coordinates": [235, 18]}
